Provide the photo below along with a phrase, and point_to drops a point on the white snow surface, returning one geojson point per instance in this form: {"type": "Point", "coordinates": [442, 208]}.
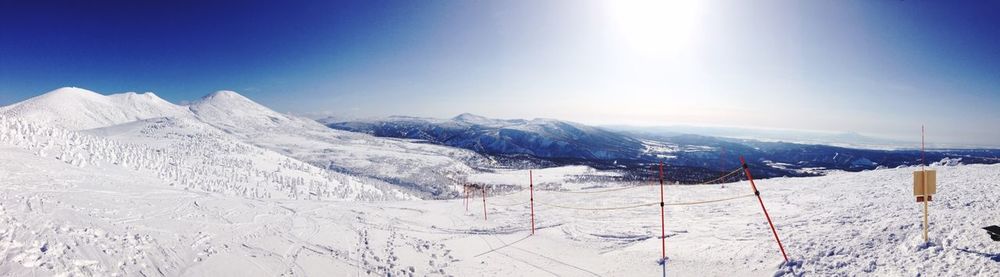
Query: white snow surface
{"type": "Point", "coordinates": [125, 218]}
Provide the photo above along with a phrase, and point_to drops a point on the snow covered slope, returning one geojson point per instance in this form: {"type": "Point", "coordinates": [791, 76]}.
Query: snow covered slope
{"type": "Point", "coordinates": [79, 109]}
{"type": "Point", "coordinates": [110, 219]}
{"type": "Point", "coordinates": [229, 110]}
{"type": "Point", "coordinates": [194, 141]}
{"type": "Point", "coordinates": [420, 169]}
{"type": "Point", "coordinates": [428, 170]}
{"type": "Point", "coordinates": [192, 155]}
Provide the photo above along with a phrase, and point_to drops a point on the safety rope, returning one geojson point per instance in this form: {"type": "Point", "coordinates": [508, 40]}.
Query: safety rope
{"type": "Point", "coordinates": [509, 204]}
{"type": "Point", "coordinates": [708, 201]}
{"type": "Point", "coordinates": [738, 170]}
{"type": "Point", "coordinates": [644, 204]}
{"type": "Point", "coordinates": [595, 191]}
{"type": "Point", "coordinates": [596, 209]}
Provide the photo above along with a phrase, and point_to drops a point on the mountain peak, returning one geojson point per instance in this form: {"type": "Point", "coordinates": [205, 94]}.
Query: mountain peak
{"type": "Point", "coordinates": [470, 117]}
{"type": "Point", "coordinates": [224, 94]}
{"type": "Point", "coordinates": [475, 119]}
{"type": "Point", "coordinates": [70, 91]}
{"type": "Point", "coordinates": [78, 109]}
{"type": "Point", "coordinates": [229, 109]}
{"type": "Point", "coordinates": [229, 100]}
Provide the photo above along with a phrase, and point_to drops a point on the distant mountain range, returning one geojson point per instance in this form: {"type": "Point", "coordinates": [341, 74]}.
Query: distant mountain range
{"type": "Point", "coordinates": [690, 157]}
{"type": "Point", "coordinates": [541, 138]}
{"type": "Point", "coordinates": [842, 139]}
{"type": "Point", "coordinates": [398, 157]}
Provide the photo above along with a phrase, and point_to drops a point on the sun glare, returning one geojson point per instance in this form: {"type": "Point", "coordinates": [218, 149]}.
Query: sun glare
{"type": "Point", "coordinates": [654, 28]}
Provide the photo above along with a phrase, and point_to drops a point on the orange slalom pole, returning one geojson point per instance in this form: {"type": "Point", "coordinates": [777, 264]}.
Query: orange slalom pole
{"type": "Point", "coordinates": [769, 222]}
{"type": "Point", "coordinates": [531, 187]}
{"type": "Point", "coordinates": [663, 223]}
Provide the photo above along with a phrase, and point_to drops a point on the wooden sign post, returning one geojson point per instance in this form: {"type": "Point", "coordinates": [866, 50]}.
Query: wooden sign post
{"type": "Point", "coordinates": [924, 187]}
{"type": "Point", "coordinates": [924, 184]}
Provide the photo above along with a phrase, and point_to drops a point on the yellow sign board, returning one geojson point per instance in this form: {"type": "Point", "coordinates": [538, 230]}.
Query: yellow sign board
{"type": "Point", "coordinates": [919, 182]}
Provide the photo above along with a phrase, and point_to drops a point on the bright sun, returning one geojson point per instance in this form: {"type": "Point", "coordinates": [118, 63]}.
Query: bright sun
{"type": "Point", "coordinates": [655, 28]}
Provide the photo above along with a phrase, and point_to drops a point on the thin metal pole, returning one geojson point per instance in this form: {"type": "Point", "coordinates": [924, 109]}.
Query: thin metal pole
{"type": "Point", "coordinates": [484, 201]}
{"type": "Point", "coordinates": [663, 223]}
{"type": "Point", "coordinates": [531, 187]}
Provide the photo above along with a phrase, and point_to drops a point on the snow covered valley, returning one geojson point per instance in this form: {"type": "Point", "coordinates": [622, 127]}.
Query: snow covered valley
{"type": "Point", "coordinates": [181, 192]}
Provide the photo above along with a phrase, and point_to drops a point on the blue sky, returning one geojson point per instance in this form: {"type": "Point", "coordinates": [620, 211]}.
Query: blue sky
{"type": "Point", "coordinates": [880, 68]}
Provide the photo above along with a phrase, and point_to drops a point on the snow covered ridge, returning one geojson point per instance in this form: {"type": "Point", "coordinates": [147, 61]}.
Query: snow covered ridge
{"type": "Point", "coordinates": [201, 162]}
{"type": "Point", "coordinates": [420, 169]}
{"type": "Point", "coordinates": [429, 171]}
{"type": "Point", "coordinates": [79, 109]}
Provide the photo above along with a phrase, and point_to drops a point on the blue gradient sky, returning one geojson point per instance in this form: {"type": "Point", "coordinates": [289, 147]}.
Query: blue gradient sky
{"type": "Point", "coordinates": [880, 68]}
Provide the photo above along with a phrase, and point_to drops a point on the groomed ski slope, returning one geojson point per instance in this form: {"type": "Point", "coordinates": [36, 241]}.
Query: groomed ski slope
{"type": "Point", "coordinates": [104, 219]}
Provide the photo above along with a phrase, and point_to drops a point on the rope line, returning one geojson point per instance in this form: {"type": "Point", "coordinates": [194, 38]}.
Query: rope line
{"type": "Point", "coordinates": [727, 175]}
{"type": "Point", "coordinates": [738, 170]}
{"type": "Point", "coordinates": [644, 204]}
{"type": "Point", "coordinates": [595, 191]}
{"type": "Point", "coordinates": [510, 204]}
{"type": "Point", "coordinates": [630, 206]}
{"type": "Point", "coordinates": [709, 201]}
{"type": "Point", "coordinates": [596, 209]}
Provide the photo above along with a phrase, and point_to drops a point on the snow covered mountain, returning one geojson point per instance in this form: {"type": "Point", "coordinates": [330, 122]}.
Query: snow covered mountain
{"type": "Point", "coordinates": [232, 119]}
{"type": "Point", "coordinates": [80, 109]}
{"type": "Point", "coordinates": [424, 169]}
{"type": "Point", "coordinates": [190, 156]}
{"type": "Point", "coordinates": [693, 157]}
{"type": "Point", "coordinates": [542, 138]}
{"type": "Point", "coordinates": [229, 110]}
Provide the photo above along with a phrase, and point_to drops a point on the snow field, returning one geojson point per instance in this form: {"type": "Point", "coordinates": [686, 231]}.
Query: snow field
{"type": "Point", "coordinates": [194, 160]}
{"type": "Point", "coordinates": [107, 219]}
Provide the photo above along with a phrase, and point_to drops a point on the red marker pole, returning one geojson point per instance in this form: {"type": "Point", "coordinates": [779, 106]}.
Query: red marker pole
{"type": "Point", "coordinates": [769, 222]}
{"type": "Point", "coordinates": [531, 187]}
{"type": "Point", "coordinates": [663, 221]}
{"type": "Point", "coordinates": [465, 190]}
{"type": "Point", "coordinates": [484, 202]}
